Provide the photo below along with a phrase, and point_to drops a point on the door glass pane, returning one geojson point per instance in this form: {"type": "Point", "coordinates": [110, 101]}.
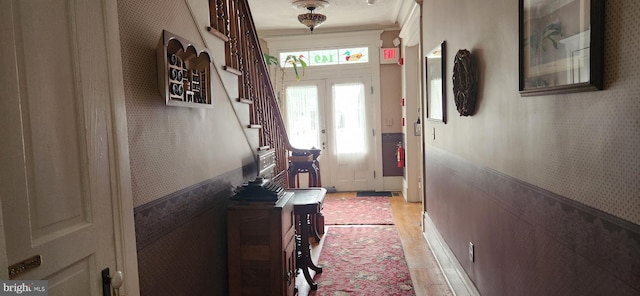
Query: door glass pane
{"type": "Point", "coordinates": [303, 126]}
{"type": "Point", "coordinates": [349, 120]}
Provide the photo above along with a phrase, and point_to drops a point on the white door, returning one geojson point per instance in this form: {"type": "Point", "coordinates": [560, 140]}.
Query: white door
{"type": "Point", "coordinates": [304, 113]}
{"type": "Point", "coordinates": [334, 115]}
{"type": "Point", "coordinates": [57, 168]}
{"type": "Point", "coordinates": [350, 134]}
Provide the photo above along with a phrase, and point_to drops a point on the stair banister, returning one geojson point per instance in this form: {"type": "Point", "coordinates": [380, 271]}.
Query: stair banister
{"type": "Point", "coordinates": [233, 22]}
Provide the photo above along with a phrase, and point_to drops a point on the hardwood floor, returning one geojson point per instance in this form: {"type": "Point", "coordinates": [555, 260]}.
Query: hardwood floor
{"type": "Point", "coordinates": [425, 273]}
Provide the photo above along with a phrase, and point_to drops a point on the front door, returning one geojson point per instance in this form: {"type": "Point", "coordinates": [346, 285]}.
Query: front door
{"type": "Point", "coordinates": [57, 168]}
{"type": "Point", "coordinates": [334, 115]}
{"type": "Point", "coordinates": [350, 129]}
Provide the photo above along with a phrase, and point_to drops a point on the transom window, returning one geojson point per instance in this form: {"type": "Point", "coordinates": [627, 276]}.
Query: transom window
{"type": "Point", "coordinates": [325, 57]}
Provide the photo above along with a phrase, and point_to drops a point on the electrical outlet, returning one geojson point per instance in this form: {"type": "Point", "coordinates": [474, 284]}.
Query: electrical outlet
{"type": "Point", "coordinates": [471, 255]}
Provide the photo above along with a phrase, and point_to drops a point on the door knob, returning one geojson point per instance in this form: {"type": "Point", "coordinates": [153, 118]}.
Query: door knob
{"type": "Point", "coordinates": [116, 280]}
{"type": "Point", "coordinates": [109, 282]}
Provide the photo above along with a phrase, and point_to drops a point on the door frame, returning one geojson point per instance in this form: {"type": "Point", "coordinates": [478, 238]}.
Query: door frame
{"type": "Point", "coordinates": [325, 105]}
{"type": "Point", "coordinates": [124, 224]}
{"type": "Point", "coordinates": [371, 39]}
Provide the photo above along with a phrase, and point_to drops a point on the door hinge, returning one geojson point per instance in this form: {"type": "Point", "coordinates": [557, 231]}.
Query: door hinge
{"type": "Point", "coordinates": [374, 174]}
{"type": "Point", "coordinates": [373, 132]}
{"type": "Point", "coordinates": [371, 89]}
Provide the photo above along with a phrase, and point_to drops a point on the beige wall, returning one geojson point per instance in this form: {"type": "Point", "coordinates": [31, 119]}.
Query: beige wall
{"type": "Point", "coordinates": [171, 148]}
{"type": "Point", "coordinates": [583, 146]}
{"type": "Point", "coordinates": [390, 90]}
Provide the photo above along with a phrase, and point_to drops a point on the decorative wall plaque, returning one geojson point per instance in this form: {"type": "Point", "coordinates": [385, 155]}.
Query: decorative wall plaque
{"type": "Point", "coordinates": [465, 82]}
{"type": "Point", "coordinates": [184, 72]}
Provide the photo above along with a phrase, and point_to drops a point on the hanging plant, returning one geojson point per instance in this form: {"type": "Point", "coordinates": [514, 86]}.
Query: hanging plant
{"type": "Point", "coordinates": [296, 62]}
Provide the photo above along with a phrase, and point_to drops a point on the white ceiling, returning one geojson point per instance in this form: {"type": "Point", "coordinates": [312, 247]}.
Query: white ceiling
{"type": "Point", "coordinates": [279, 17]}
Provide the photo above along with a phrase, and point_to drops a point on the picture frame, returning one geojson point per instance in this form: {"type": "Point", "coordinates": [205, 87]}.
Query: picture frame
{"type": "Point", "coordinates": [435, 83]}
{"type": "Point", "coordinates": [561, 46]}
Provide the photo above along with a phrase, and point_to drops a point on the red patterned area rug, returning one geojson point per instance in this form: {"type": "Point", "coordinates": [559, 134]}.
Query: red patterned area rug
{"type": "Point", "coordinates": [363, 260]}
{"type": "Point", "coordinates": [370, 210]}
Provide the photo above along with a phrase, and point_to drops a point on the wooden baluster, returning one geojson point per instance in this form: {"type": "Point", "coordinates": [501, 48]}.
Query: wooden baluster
{"type": "Point", "coordinates": [243, 53]}
{"type": "Point", "coordinates": [218, 16]}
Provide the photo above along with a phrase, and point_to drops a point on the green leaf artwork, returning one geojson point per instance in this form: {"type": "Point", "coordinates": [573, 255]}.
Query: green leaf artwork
{"type": "Point", "coordinates": [551, 33]}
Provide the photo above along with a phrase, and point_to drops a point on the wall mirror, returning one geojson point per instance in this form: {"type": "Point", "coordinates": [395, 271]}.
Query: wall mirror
{"type": "Point", "coordinates": [435, 66]}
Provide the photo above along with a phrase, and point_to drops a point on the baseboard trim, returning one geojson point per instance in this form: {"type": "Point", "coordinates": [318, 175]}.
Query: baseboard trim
{"type": "Point", "coordinates": [393, 183]}
{"type": "Point", "coordinates": [456, 277]}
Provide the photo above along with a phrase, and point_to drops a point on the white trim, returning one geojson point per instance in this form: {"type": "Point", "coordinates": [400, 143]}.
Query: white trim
{"type": "Point", "coordinates": [454, 274]}
{"type": "Point", "coordinates": [122, 196]}
{"type": "Point", "coordinates": [279, 44]}
{"type": "Point", "coordinates": [410, 32]}
{"type": "Point", "coordinates": [392, 183]}
{"type": "Point", "coordinates": [411, 112]}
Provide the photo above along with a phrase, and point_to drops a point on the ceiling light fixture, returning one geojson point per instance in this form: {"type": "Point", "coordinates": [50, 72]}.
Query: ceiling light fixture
{"type": "Point", "coordinates": [311, 19]}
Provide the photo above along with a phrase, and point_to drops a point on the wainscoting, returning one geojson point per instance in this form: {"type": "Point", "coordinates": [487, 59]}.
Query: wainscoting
{"type": "Point", "coordinates": [182, 238]}
{"type": "Point", "coordinates": [527, 240]}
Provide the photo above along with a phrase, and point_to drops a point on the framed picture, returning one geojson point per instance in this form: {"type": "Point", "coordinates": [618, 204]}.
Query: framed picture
{"type": "Point", "coordinates": [561, 46]}
{"type": "Point", "coordinates": [435, 66]}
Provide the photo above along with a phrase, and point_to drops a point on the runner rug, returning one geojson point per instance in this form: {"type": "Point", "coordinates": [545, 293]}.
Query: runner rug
{"type": "Point", "coordinates": [370, 210]}
{"type": "Point", "coordinates": [363, 260]}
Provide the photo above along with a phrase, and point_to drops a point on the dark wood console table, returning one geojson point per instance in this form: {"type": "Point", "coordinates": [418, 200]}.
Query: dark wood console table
{"type": "Point", "coordinates": [261, 247]}
{"type": "Point", "coordinates": [307, 204]}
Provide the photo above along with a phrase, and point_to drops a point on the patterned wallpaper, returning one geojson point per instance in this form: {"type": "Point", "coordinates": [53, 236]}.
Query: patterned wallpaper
{"type": "Point", "coordinates": [184, 161]}
{"type": "Point", "coordinates": [583, 146]}
{"type": "Point", "coordinates": [527, 240]}
{"type": "Point", "coordinates": [171, 148]}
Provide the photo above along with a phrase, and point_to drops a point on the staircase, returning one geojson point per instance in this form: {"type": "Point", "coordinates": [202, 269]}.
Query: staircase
{"type": "Point", "coordinates": [231, 21]}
